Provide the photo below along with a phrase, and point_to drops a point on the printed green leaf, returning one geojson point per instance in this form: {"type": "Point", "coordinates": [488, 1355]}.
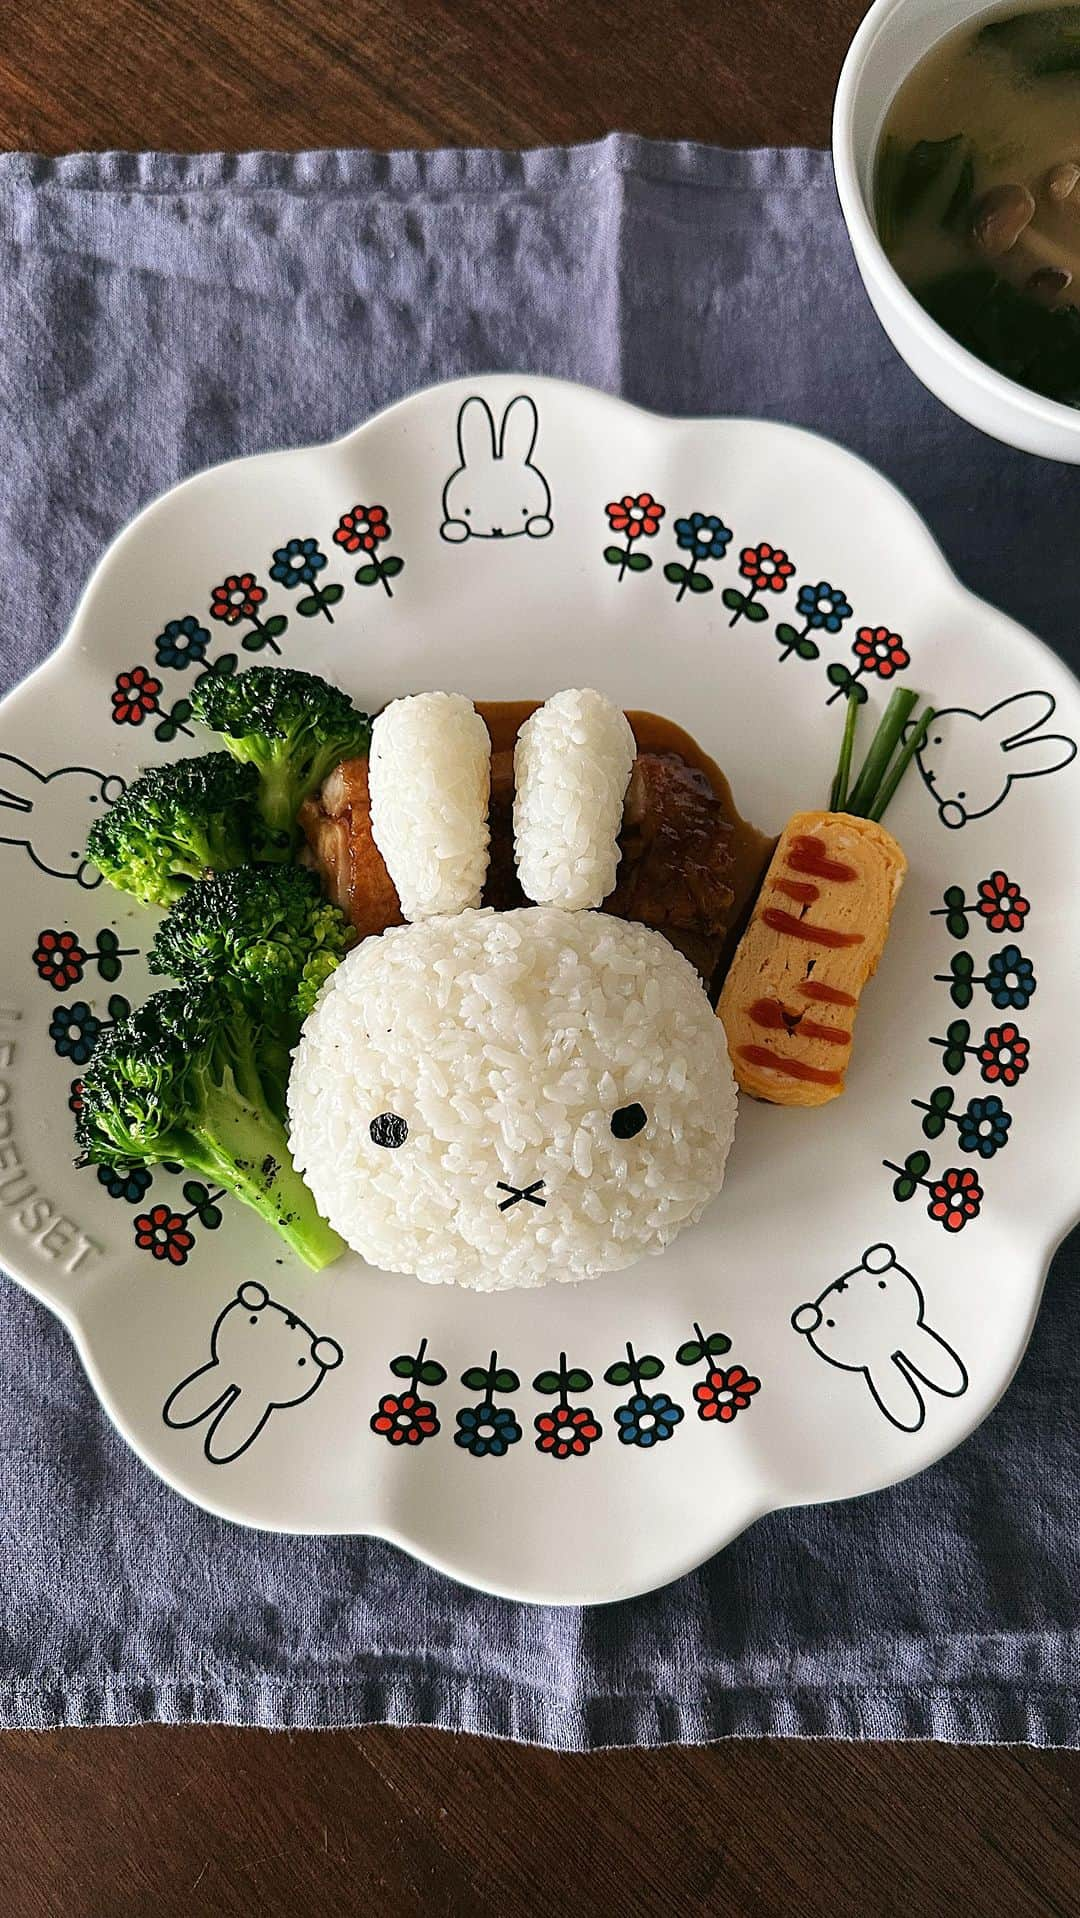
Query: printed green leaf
{"type": "Point", "coordinates": [308, 605]}
{"type": "Point", "coordinates": [917, 1164]}
{"type": "Point", "coordinates": [475, 1379]}
{"type": "Point", "coordinates": [118, 1006]}
{"type": "Point", "coordinates": [689, 1354]}
{"type": "Point", "coordinates": [195, 1192]}
{"type": "Point", "coordinates": [547, 1382]}
{"type": "Point", "coordinates": [806, 649]}
{"type": "Point", "coordinates": [753, 608]}
{"type": "Point", "coordinates": [904, 1188]}
{"type": "Point", "coordinates": [109, 968]}
{"type": "Point", "coordinates": [210, 1217]}
{"type": "Point", "coordinates": [391, 566]}
{"type": "Point", "coordinates": [619, 1373]}
{"type": "Point", "coordinates": [933, 1125]}
{"type": "Point", "coordinates": [165, 731]}
{"type": "Point", "coordinates": [953, 897]}
{"type": "Point", "coordinates": [954, 1058]}
{"type": "Point", "coordinates": [787, 635]}
{"type": "Point", "coordinates": [961, 973]}
{"type": "Point", "coordinates": [838, 674]}
{"type": "Point", "coordinates": [253, 642]}
{"type": "Point", "coordinates": [221, 667]}
{"type": "Point", "coordinates": [367, 575]}
{"type": "Point", "coordinates": [274, 626]}
{"type": "Point", "coordinates": [941, 1098]}
{"type": "Point", "coordinates": [613, 554]}
{"type": "Point", "coordinates": [958, 1033]}
{"type": "Point", "coordinates": [505, 1380]}
{"type": "Point", "coordinates": [957, 923]}
{"type": "Point", "coordinates": [402, 1366]}
{"type": "Point", "coordinates": [578, 1381]}
{"type": "Point", "coordinates": [431, 1373]}
{"type": "Point", "coordinates": [674, 572]}
{"type": "Point", "coordinates": [700, 583]}
{"type": "Point", "coordinates": [733, 599]}
{"type": "Point", "coordinates": [639, 562]}
{"type": "Point", "coordinates": [717, 1343]}
{"type": "Point", "coordinates": [180, 711]}
{"type": "Point", "coordinates": [107, 940]}
{"type": "Point", "coordinates": [650, 1367]}
{"type": "Point", "coordinates": [332, 593]}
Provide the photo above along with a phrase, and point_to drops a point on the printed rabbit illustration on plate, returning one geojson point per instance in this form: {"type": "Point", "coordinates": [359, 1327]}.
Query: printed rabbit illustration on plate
{"type": "Point", "coordinates": [497, 1099]}
{"type": "Point", "coordinates": [262, 1360]}
{"type": "Point", "coordinates": [871, 1320]}
{"type": "Point", "coordinates": [497, 491]}
{"type": "Point", "coordinates": [970, 760]}
{"type": "Point", "coordinates": [51, 813]}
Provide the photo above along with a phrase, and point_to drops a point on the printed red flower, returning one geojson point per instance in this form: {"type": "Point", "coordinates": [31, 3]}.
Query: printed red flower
{"type": "Point", "coordinates": [75, 1096]}
{"type": "Point", "coordinates": [767, 567]}
{"type": "Point", "coordinates": [565, 1433]}
{"type": "Point", "coordinates": [1003, 1055]}
{"type": "Point", "coordinates": [237, 598]}
{"type": "Point", "coordinates": [955, 1198]}
{"type": "Point", "coordinates": [407, 1420]}
{"type": "Point", "coordinates": [724, 1393]}
{"type": "Point", "coordinates": [362, 526]}
{"type": "Point", "coordinates": [59, 958]}
{"type": "Point", "coordinates": [635, 515]}
{"type": "Point", "coordinates": [1002, 904]}
{"type": "Point", "coordinates": [134, 695]}
{"type": "Point", "coordinates": [164, 1233]}
{"type": "Point", "coordinates": [880, 651]}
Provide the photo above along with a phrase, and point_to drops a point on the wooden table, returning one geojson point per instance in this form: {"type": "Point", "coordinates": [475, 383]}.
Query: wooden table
{"type": "Point", "coordinates": [121, 1823]}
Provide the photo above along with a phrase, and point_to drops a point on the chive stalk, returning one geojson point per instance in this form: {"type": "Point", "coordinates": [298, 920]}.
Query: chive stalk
{"type": "Point", "coordinates": [882, 746]}
{"type": "Point", "coordinates": [900, 764]}
{"type": "Point", "coordinates": [838, 796]}
{"type": "Point", "coordinates": [887, 759]}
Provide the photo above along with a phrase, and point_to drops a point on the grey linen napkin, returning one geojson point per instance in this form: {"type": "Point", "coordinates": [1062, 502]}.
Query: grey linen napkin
{"type": "Point", "coordinates": [160, 313]}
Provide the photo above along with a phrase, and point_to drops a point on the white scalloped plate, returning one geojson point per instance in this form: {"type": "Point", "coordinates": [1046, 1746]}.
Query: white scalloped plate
{"type": "Point", "coordinates": [930, 1328]}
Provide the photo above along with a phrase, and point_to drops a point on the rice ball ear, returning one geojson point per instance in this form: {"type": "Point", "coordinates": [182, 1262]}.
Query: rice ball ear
{"type": "Point", "coordinates": [572, 765]}
{"type": "Point", "coordinates": [429, 775]}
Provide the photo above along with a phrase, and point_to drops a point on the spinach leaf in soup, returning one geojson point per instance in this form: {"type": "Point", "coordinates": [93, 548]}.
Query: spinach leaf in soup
{"type": "Point", "coordinates": [1036, 345]}
{"type": "Point", "coordinates": [1038, 44]}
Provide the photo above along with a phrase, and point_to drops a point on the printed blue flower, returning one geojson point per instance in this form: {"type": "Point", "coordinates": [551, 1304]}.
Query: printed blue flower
{"type": "Point", "coordinates": [182, 642]}
{"type": "Point", "coordinates": [74, 1030]}
{"type": "Point", "coordinates": [704, 535]}
{"type": "Point", "coordinates": [1010, 979]}
{"type": "Point", "coordinates": [124, 1182]}
{"type": "Point", "coordinates": [487, 1430]}
{"type": "Point", "coordinates": [984, 1127]}
{"type": "Point", "coordinates": [297, 562]}
{"type": "Point", "coordinates": [823, 606]}
{"type": "Point", "coordinates": [646, 1419]}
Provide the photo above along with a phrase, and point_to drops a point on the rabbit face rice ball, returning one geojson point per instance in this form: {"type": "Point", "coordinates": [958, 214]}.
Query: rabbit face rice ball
{"type": "Point", "coordinates": [498, 1100]}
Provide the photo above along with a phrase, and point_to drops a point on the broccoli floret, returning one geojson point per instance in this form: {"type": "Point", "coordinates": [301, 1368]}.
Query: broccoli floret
{"type": "Point", "coordinates": [293, 727]}
{"type": "Point", "coordinates": [178, 821]}
{"type": "Point", "coordinates": [269, 928]}
{"type": "Point", "coordinates": [198, 1077]}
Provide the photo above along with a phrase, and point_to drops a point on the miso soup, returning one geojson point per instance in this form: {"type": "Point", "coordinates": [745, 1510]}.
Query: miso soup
{"type": "Point", "coordinates": [977, 192]}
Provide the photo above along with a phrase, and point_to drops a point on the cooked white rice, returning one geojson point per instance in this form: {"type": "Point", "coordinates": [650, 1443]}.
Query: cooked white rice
{"type": "Point", "coordinates": [506, 1042]}
{"type": "Point", "coordinates": [429, 777]}
{"type": "Point", "coordinates": [572, 764]}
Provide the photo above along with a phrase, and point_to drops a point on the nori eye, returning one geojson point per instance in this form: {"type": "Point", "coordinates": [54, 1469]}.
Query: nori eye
{"type": "Point", "coordinates": [628, 1121]}
{"type": "Point", "coordinates": [389, 1130]}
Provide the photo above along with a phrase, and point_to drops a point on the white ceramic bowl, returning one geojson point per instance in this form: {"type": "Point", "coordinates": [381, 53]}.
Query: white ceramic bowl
{"type": "Point", "coordinates": [892, 39]}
